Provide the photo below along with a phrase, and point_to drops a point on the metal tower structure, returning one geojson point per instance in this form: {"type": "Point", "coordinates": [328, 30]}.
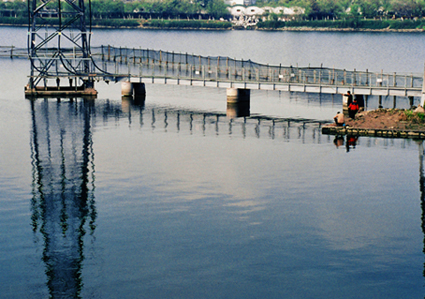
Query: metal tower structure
{"type": "Point", "coordinates": [59, 44]}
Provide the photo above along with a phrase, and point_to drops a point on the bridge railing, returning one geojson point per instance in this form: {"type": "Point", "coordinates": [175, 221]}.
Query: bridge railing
{"type": "Point", "coordinates": [172, 65]}
{"type": "Point", "coordinates": [154, 63]}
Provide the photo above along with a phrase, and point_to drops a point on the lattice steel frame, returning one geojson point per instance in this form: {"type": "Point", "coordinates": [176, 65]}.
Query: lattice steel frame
{"type": "Point", "coordinates": [58, 40]}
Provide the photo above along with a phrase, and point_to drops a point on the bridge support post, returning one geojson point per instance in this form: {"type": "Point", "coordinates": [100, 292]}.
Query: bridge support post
{"type": "Point", "coordinates": [127, 89]}
{"type": "Point", "coordinates": [135, 90]}
{"type": "Point", "coordinates": [238, 102]}
{"type": "Point", "coordinates": [139, 92]}
{"type": "Point", "coordinates": [238, 95]}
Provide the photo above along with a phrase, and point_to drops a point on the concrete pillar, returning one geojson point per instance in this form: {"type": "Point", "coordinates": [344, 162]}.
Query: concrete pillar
{"type": "Point", "coordinates": [139, 89]}
{"type": "Point", "coordinates": [139, 93]}
{"type": "Point", "coordinates": [238, 95]}
{"type": "Point", "coordinates": [127, 89]}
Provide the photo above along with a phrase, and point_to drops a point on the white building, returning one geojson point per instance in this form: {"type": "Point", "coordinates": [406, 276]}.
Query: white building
{"type": "Point", "coordinates": [249, 16]}
{"type": "Point", "coordinates": [239, 2]}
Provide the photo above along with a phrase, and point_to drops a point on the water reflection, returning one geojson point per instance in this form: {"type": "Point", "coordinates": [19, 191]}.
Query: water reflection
{"type": "Point", "coordinates": [63, 189]}
{"type": "Point", "coordinates": [349, 141]}
{"type": "Point", "coordinates": [63, 203]}
{"type": "Point", "coordinates": [235, 110]}
{"type": "Point", "coordinates": [166, 118]}
{"type": "Point", "coordinates": [422, 191]}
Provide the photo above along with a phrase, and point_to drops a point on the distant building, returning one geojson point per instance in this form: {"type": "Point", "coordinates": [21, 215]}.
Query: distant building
{"type": "Point", "coordinates": [250, 16]}
{"type": "Point", "coordinates": [240, 2]}
{"type": "Point", "coordinates": [239, 10]}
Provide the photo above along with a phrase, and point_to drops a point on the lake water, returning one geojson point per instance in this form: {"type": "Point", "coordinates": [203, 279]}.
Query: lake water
{"type": "Point", "coordinates": [172, 199]}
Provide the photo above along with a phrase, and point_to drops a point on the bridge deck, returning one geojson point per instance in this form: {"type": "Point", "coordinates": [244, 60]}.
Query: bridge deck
{"type": "Point", "coordinates": [150, 66]}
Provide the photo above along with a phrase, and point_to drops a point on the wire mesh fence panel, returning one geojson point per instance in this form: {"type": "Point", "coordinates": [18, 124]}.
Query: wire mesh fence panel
{"type": "Point", "coordinates": [109, 60]}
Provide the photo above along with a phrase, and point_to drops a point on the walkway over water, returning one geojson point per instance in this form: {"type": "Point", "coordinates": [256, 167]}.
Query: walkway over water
{"type": "Point", "coordinates": [151, 66]}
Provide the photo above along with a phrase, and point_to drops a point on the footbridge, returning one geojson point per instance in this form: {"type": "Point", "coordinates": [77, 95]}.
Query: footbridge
{"type": "Point", "coordinates": [108, 63]}
{"type": "Point", "coordinates": [132, 66]}
{"type": "Point", "coordinates": [60, 48]}
{"type": "Point", "coordinates": [153, 66]}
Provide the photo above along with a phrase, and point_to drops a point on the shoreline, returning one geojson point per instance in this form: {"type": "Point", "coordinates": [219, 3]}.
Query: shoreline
{"type": "Point", "coordinates": [390, 123]}
{"type": "Point", "coordinates": [295, 29]}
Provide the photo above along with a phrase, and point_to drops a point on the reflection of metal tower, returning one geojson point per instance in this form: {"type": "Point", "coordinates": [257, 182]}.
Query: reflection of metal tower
{"type": "Point", "coordinates": [63, 189]}
{"type": "Point", "coordinates": [59, 44]}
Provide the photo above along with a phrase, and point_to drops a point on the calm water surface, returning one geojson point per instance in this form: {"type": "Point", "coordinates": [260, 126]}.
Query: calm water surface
{"type": "Point", "coordinates": [172, 199]}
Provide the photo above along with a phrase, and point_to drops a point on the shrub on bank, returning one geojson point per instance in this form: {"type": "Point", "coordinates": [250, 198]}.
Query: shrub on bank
{"type": "Point", "coordinates": [14, 21]}
{"type": "Point", "coordinates": [181, 24]}
{"type": "Point", "coordinates": [352, 23]}
{"type": "Point", "coordinates": [116, 23]}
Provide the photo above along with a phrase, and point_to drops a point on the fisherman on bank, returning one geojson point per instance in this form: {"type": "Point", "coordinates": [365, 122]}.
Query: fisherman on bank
{"type": "Point", "coordinates": [349, 97]}
{"type": "Point", "coordinates": [353, 108]}
{"type": "Point", "coordinates": [339, 119]}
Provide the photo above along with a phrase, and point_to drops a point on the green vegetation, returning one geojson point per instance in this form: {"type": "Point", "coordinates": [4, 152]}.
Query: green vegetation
{"type": "Point", "coordinates": [184, 24]}
{"type": "Point", "coordinates": [116, 23]}
{"type": "Point", "coordinates": [333, 14]}
{"type": "Point", "coordinates": [352, 23]}
{"type": "Point", "coordinates": [415, 117]}
{"type": "Point", "coordinates": [215, 8]}
{"type": "Point", "coordinates": [321, 9]}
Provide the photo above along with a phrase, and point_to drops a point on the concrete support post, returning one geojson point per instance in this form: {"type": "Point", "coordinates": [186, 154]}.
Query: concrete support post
{"type": "Point", "coordinates": [139, 92]}
{"type": "Point", "coordinates": [238, 95]}
{"type": "Point", "coordinates": [127, 89]}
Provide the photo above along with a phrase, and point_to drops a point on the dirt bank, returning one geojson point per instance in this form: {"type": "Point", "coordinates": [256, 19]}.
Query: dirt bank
{"type": "Point", "coordinates": [388, 119]}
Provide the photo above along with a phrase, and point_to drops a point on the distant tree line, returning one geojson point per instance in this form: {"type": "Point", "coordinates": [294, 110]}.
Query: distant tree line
{"type": "Point", "coordinates": [216, 9]}
{"type": "Point", "coordinates": [325, 9]}
{"type": "Point", "coordinates": [120, 9]}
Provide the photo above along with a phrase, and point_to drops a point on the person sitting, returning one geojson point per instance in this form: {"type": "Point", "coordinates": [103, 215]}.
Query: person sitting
{"type": "Point", "coordinates": [352, 109]}
{"type": "Point", "coordinates": [339, 119]}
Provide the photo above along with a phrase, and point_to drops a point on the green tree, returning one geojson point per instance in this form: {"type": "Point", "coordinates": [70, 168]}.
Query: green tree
{"type": "Point", "coordinates": [407, 8]}
{"type": "Point", "coordinates": [217, 8]}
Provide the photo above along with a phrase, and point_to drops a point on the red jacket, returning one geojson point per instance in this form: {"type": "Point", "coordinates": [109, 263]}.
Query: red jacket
{"type": "Point", "coordinates": [353, 106]}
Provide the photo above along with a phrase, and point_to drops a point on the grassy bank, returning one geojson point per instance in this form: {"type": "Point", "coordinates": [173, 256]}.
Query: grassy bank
{"type": "Point", "coordinates": [113, 23]}
{"type": "Point", "coordinates": [346, 24]}
{"type": "Point", "coordinates": [355, 24]}
{"type": "Point", "coordinates": [132, 23]}
{"type": "Point", "coordinates": [186, 24]}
